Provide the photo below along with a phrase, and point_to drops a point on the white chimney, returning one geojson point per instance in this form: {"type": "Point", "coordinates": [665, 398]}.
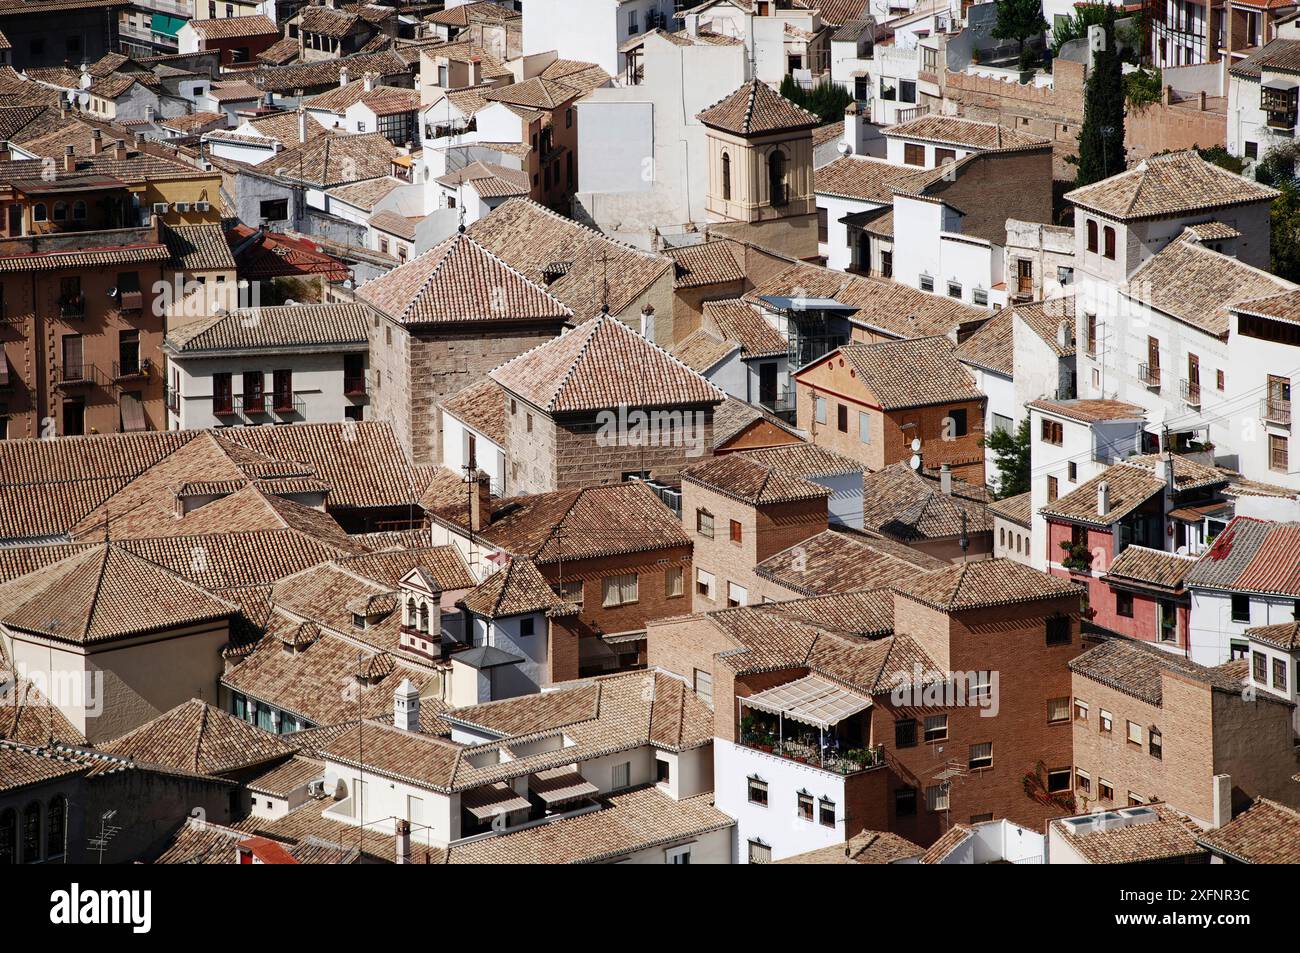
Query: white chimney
{"type": "Point", "coordinates": [406, 706]}
{"type": "Point", "coordinates": [692, 24]}
{"type": "Point", "coordinates": [945, 479]}
{"type": "Point", "coordinates": [1103, 498]}
{"type": "Point", "coordinates": [1222, 803]}
{"type": "Point", "coordinates": [302, 124]}
{"type": "Point", "coordinates": [475, 70]}
{"type": "Point", "coordinates": [852, 131]}
{"type": "Point", "coordinates": [1063, 335]}
{"type": "Point", "coordinates": [402, 847]}
{"type": "Point", "coordinates": [343, 75]}
{"type": "Point", "coordinates": [370, 81]}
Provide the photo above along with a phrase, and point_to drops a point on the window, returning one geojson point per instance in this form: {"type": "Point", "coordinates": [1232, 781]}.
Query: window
{"type": "Point", "coordinates": [1053, 488]}
{"type": "Point", "coordinates": [1059, 779]}
{"type": "Point", "coordinates": [1259, 667]}
{"type": "Point", "coordinates": [1072, 472]}
{"type": "Point", "coordinates": [936, 797]}
{"type": "Point", "coordinates": [1124, 605]}
{"type": "Point", "coordinates": [823, 226]}
{"type": "Point", "coordinates": [56, 820]}
{"type": "Point", "coordinates": [758, 791]}
{"type": "Point", "coordinates": [1052, 431]}
{"type": "Point", "coordinates": [1240, 608]}
{"type": "Point", "coordinates": [736, 595]}
{"type": "Point", "coordinates": [778, 188]}
{"type": "Point", "coordinates": [1058, 710]}
{"type": "Point", "coordinates": [1105, 721]}
{"type": "Point", "coordinates": [913, 154]}
{"type": "Point", "coordinates": [527, 626]}
{"type": "Point", "coordinates": [942, 156]}
{"type": "Point", "coordinates": [954, 289]}
{"type": "Point", "coordinates": [254, 399]}
{"type": "Point", "coordinates": [737, 532]}
{"type": "Point", "coordinates": [703, 684]}
{"type": "Point", "coordinates": [1219, 380]}
{"type": "Point", "coordinates": [1278, 455]}
{"type": "Point", "coordinates": [619, 590]}
{"type": "Point", "coordinates": [805, 806]}
{"type": "Point", "coordinates": [1279, 674]}
{"type": "Point", "coordinates": [1134, 733]}
{"type": "Point", "coordinates": [960, 427]}
{"type": "Point", "coordinates": [906, 91]}
{"type": "Point", "coordinates": [622, 775]}
{"type": "Point", "coordinates": [1105, 790]}
{"type": "Point", "coordinates": [981, 756]}
{"type": "Point", "coordinates": [759, 853]}
{"type": "Point", "coordinates": [704, 583]}
{"type": "Point", "coordinates": [819, 409]}
{"type": "Point", "coordinates": [1058, 630]}
{"type": "Point", "coordinates": [927, 283]}
{"type": "Point", "coordinates": [1108, 240]}
{"type": "Point", "coordinates": [32, 833]}
{"type": "Point", "coordinates": [282, 390]}
{"type": "Point", "coordinates": [128, 352]}
{"type": "Point", "coordinates": [1082, 780]}
{"type": "Point", "coordinates": [274, 210]}
{"type": "Point", "coordinates": [673, 582]}
{"type": "Point", "coordinates": [1092, 235]}
{"type": "Point", "coordinates": [726, 176]}
{"type": "Point", "coordinates": [905, 733]}
{"type": "Point", "coordinates": [936, 728]}
{"type": "Point", "coordinates": [826, 812]}
{"type": "Point", "coordinates": [40, 213]}
{"type": "Point", "coordinates": [571, 591]}
{"type": "Point", "coordinates": [1064, 274]}
{"type": "Point", "coordinates": [1155, 744]}
{"type": "Point", "coordinates": [980, 297]}
{"type": "Point", "coordinates": [864, 427]}
{"type": "Point", "coordinates": [704, 523]}
{"type": "Point", "coordinates": [663, 771]}
{"type": "Point", "coordinates": [222, 393]}
{"type": "Point", "coordinates": [905, 802]}
{"type": "Point", "coordinates": [1252, 150]}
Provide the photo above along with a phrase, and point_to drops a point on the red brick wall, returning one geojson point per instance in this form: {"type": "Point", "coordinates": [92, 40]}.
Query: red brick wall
{"type": "Point", "coordinates": [652, 602]}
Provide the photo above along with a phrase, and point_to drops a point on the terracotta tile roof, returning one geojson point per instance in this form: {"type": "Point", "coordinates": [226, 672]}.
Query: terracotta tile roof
{"type": "Point", "coordinates": [1251, 555]}
{"type": "Point", "coordinates": [261, 255]}
{"type": "Point", "coordinates": [866, 612]}
{"type": "Point", "coordinates": [334, 160]}
{"type": "Point", "coordinates": [229, 28]}
{"type": "Point", "coordinates": [84, 259]}
{"type": "Point", "coordinates": [195, 736]}
{"type": "Point", "coordinates": [104, 593]}
{"type": "Point", "coordinates": [603, 364]}
{"type": "Point", "coordinates": [755, 109]}
{"type": "Point", "coordinates": [517, 589]}
{"type": "Point", "coordinates": [913, 373]}
{"type": "Point", "coordinates": [582, 76]}
{"type": "Point", "coordinates": [737, 320]}
{"type": "Point", "coordinates": [395, 224]}
{"type": "Point", "coordinates": [906, 505]}
{"type": "Point", "coordinates": [595, 522]}
{"type": "Point", "coordinates": [222, 560]}
{"type": "Point", "coordinates": [993, 346]}
{"type": "Point", "coordinates": [702, 350]}
{"type": "Point", "coordinates": [1152, 567]}
{"type": "Point", "coordinates": [457, 281]}
{"type": "Point", "coordinates": [833, 561]}
{"type": "Point", "coordinates": [1213, 231]}
{"type": "Point", "coordinates": [742, 478]}
{"type": "Point", "coordinates": [535, 93]}
{"type": "Point", "coordinates": [198, 247]}
{"type": "Point", "coordinates": [391, 100]}
{"type": "Point", "coordinates": [194, 122]}
{"type": "Point", "coordinates": [1015, 509]}
{"type": "Point", "coordinates": [1137, 668]}
{"type": "Point", "coordinates": [332, 841]}
{"type": "Point", "coordinates": [733, 416]}
{"type": "Point", "coordinates": [284, 326]}
{"type": "Point", "coordinates": [708, 263]}
{"type": "Point", "coordinates": [1090, 409]}
{"type": "Point", "coordinates": [571, 703]}
{"type": "Point", "coordinates": [866, 847]}
{"type": "Point", "coordinates": [987, 583]}
{"type": "Point", "coordinates": [949, 841]}
{"type": "Point", "coordinates": [972, 133]}
{"type": "Point", "coordinates": [828, 133]}
{"type": "Point", "coordinates": [1131, 484]}
{"type": "Point", "coordinates": [1284, 306]}
{"type": "Point", "coordinates": [364, 195]}
{"type": "Point", "coordinates": [283, 779]}
{"type": "Point", "coordinates": [1283, 635]}
{"type": "Point", "coordinates": [892, 307]}
{"type": "Point", "coordinates": [327, 21]}
{"type": "Point", "coordinates": [22, 766]}
{"type": "Point", "coordinates": [1166, 185]}
{"type": "Point", "coordinates": [280, 52]}
{"type": "Point", "coordinates": [26, 715]}
{"type": "Point", "coordinates": [336, 100]}
{"type": "Point", "coordinates": [805, 460]}
{"type": "Point", "coordinates": [1169, 837]}
{"type": "Point", "coordinates": [1265, 833]}
{"type": "Point", "coordinates": [1044, 319]}
{"type": "Point", "coordinates": [1199, 286]}
{"type": "Point", "coordinates": [482, 406]}
{"type": "Point", "coordinates": [578, 265]}
{"type": "Point", "coordinates": [631, 821]}
{"type": "Point", "coordinates": [465, 13]}
{"type": "Point", "coordinates": [489, 180]}
{"type": "Point", "coordinates": [860, 177]}
{"type": "Point", "coordinates": [319, 73]}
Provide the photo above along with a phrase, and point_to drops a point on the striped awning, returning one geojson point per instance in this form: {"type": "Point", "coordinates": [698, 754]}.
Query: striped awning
{"type": "Point", "coordinates": [491, 800]}
{"type": "Point", "coordinates": [810, 699]}
{"type": "Point", "coordinates": [559, 785]}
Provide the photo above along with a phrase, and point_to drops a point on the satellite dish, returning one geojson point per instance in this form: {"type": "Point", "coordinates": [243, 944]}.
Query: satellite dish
{"type": "Point", "coordinates": [915, 462]}
{"type": "Point", "coordinates": [916, 444]}
{"type": "Point", "coordinates": [844, 148]}
{"type": "Point", "coordinates": [331, 783]}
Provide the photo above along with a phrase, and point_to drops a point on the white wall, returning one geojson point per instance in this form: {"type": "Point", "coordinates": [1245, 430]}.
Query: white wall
{"type": "Point", "coordinates": [1213, 630]}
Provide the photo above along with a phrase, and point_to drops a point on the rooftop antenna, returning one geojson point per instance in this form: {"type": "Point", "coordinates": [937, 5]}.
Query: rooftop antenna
{"type": "Point", "coordinates": [107, 831]}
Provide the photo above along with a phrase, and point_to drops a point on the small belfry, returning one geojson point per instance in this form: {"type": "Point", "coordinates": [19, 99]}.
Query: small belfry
{"type": "Point", "coordinates": [760, 160]}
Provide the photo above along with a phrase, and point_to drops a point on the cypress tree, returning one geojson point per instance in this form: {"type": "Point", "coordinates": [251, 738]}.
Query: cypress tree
{"type": "Point", "coordinates": [1101, 138]}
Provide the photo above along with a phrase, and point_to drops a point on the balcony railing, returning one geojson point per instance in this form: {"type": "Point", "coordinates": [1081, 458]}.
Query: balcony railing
{"type": "Point", "coordinates": [1191, 391]}
{"type": "Point", "coordinates": [845, 761]}
{"type": "Point", "coordinates": [77, 375]}
{"type": "Point", "coordinates": [286, 404]}
{"type": "Point", "coordinates": [223, 406]}
{"type": "Point", "coordinates": [354, 385]}
{"type": "Point", "coordinates": [1275, 410]}
{"type": "Point", "coordinates": [131, 370]}
{"type": "Point", "coordinates": [72, 307]}
{"type": "Point", "coordinates": [1149, 375]}
{"type": "Point", "coordinates": [254, 403]}
{"type": "Point", "coordinates": [173, 398]}
{"type": "Point", "coordinates": [130, 301]}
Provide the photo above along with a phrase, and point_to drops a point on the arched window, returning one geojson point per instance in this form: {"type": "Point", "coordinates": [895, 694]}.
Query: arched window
{"type": "Point", "coordinates": [1092, 235]}
{"type": "Point", "coordinates": [776, 184]}
{"type": "Point", "coordinates": [424, 618]}
{"type": "Point", "coordinates": [1108, 249]}
{"type": "Point", "coordinates": [8, 836]}
{"type": "Point", "coordinates": [39, 212]}
{"type": "Point", "coordinates": [56, 820]}
{"type": "Point", "coordinates": [726, 176]}
{"type": "Point", "coordinates": [79, 210]}
{"type": "Point", "coordinates": [410, 611]}
{"type": "Point", "coordinates": [32, 833]}
{"type": "Point", "coordinates": [60, 211]}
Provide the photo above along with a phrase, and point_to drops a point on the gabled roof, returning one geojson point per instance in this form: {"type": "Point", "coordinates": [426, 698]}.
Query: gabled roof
{"type": "Point", "coordinates": [912, 373]}
{"type": "Point", "coordinates": [1251, 555]}
{"type": "Point", "coordinates": [1177, 182]}
{"type": "Point", "coordinates": [756, 109]}
{"type": "Point", "coordinates": [1150, 567]}
{"type": "Point", "coordinates": [104, 592]}
{"type": "Point", "coordinates": [861, 178]}
{"type": "Point", "coordinates": [1088, 410]}
{"type": "Point", "coordinates": [866, 847]}
{"type": "Point", "coordinates": [1265, 833]}
{"type": "Point", "coordinates": [1137, 668]}
{"type": "Point", "coordinates": [708, 263]}
{"type": "Point", "coordinates": [702, 350]}
{"type": "Point", "coordinates": [742, 478]}
{"type": "Point", "coordinates": [1044, 318]}
{"type": "Point", "coordinates": [227, 28]}
{"type": "Point", "coordinates": [600, 364]}
{"type": "Point", "coordinates": [516, 589]}
{"type": "Point", "coordinates": [1131, 483]}
{"type": "Point", "coordinates": [195, 736]}
{"type": "Point", "coordinates": [992, 347]}
{"type": "Point", "coordinates": [482, 406]}
{"type": "Point", "coordinates": [283, 326]}
{"type": "Point", "coordinates": [1168, 838]}
{"type": "Point", "coordinates": [986, 583]}
{"type": "Point", "coordinates": [906, 505]}
{"type": "Point", "coordinates": [971, 133]}
{"type": "Point", "coordinates": [1282, 635]}
{"type": "Point", "coordinates": [199, 247]}
{"type": "Point", "coordinates": [737, 320]}
{"type": "Point", "coordinates": [460, 280]}
{"type": "Point", "coordinates": [840, 562]}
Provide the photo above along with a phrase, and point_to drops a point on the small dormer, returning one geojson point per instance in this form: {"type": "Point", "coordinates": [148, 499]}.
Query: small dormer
{"type": "Point", "coordinates": [300, 638]}
{"type": "Point", "coordinates": [370, 610]}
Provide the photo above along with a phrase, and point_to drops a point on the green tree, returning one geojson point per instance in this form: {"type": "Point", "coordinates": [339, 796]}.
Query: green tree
{"type": "Point", "coordinates": [1076, 27]}
{"type": "Point", "coordinates": [1101, 138]}
{"type": "Point", "coordinates": [1011, 457]}
{"type": "Point", "coordinates": [1019, 20]}
{"type": "Point", "coordinates": [827, 100]}
{"type": "Point", "coordinates": [1284, 222]}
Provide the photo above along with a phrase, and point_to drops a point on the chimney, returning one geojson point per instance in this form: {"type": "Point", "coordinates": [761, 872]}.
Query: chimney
{"type": "Point", "coordinates": [1103, 498]}
{"type": "Point", "coordinates": [692, 24]}
{"type": "Point", "coordinates": [406, 706]}
{"type": "Point", "coordinates": [119, 149]}
{"type": "Point", "coordinates": [945, 478]}
{"type": "Point", "coordinates": [1063, 334]}
{"type": "Point", "coordinates": [343, 75]}
{"type": "Point", "coordinates": [302, 124]}
{"type": "Point", "coordinates": [369, 81]}
{"type": "Point", "coordinates": [475, 70]}
{"type": "Point", "coordinates": [138, 139]}
{"type": "Point", "coordinates": [4, 151]}
{"type": "Point", "coordinates": [402, 849]}
{"type": "Point", "coordinates": [480, 502]}
{"type": "Point", "coordinates": [69, 159]}
{"type": "Point", "coordinates": [96, 141]}
{"type": "Point", "coordinates": [1222, 803]}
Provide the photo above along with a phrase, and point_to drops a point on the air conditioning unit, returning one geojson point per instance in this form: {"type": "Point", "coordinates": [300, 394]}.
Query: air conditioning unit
{"type": "Point", "coordinates": [160, 208]}
{"type": "Point", "coordinates": [316, 788]}
{"type": "Point", "coordinates": [182, 206]}
{"type": "Point", "coordinates": [202, 206]}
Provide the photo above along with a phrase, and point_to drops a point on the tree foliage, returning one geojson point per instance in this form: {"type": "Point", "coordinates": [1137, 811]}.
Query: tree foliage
{"type": "Point", "coordinates": [827, 100]}
{"type": "Point", "coordinates": [1011, 457]}
{"type": "Point", "coordinates": [1019, 20]}
{"type": "Point", "coordinates": [1101, 138]}
{"type": "Point", "coordinates": [1142, 87]}
{"type": "Point", "coordinates": [1076, 27]}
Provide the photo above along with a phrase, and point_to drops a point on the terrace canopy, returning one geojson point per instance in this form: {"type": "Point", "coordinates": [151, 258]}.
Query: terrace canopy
{"type": "Point", "coordinates": [812, 700]}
